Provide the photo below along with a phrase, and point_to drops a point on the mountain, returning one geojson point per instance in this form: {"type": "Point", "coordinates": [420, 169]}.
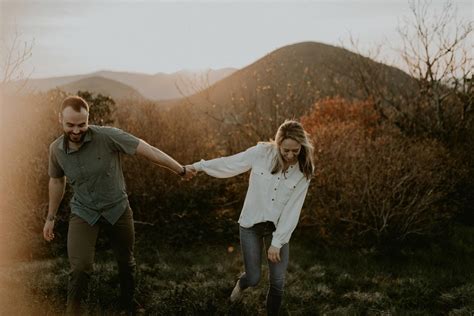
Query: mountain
{"type": "Point", "coordinates": [297, 75]}
{"type": "Point", "coordinates": [104, 86]}
{"type": "Point", "coordinates": [159, 86]}
{"type": "Point", "coordinates": [250, 104]}
{"type": "Point", "coordinates": [163, 86]}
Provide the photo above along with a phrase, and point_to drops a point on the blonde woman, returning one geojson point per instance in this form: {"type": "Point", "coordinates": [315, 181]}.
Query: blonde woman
{"type": "Point", "coordinates": [280, 175]}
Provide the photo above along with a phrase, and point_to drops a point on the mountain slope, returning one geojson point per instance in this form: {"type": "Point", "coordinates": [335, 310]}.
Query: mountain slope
{"type": "Point", "coordinates": [163, 86]}
{"type": "Point", "coordinates": [104, 86]}
{"type": "Point", "coordinates": [303, 72]}
{"type": "Point", "coordinates": [159, 86]}
{"type": "Point", "coordinates": [250, 104]}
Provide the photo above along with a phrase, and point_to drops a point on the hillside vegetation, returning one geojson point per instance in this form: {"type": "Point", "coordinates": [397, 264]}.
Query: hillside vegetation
{"type": "Point", "coordinates": [388, 185]}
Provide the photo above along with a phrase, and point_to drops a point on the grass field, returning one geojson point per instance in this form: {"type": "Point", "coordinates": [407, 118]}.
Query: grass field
{"type": "Point", "coordinates": [436, 279]}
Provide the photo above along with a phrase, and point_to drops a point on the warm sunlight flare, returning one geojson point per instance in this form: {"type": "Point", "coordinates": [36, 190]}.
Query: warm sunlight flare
{"type": "Point", "coordinates": [236, 157]}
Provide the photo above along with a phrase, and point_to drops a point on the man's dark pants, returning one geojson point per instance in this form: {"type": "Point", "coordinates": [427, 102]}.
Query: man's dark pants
{"type": "Point", "coordinates": [81, 243]}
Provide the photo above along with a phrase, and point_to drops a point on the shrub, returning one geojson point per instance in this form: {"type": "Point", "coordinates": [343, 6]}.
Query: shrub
{"type": "Point", "coordinates": [372, 184]}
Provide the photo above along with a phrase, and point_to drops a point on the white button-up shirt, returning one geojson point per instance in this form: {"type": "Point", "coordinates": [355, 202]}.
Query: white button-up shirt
{"type": "Point", "coordinates": [270, 197]}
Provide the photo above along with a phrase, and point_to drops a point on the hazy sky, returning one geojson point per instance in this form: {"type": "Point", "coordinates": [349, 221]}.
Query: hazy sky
{"type": "Point", "coordinates": [73, 37]}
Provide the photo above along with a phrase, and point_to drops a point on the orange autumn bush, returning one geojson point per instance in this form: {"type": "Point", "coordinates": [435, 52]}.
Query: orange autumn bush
{"type": "Point", "coordinates": [372, 184]}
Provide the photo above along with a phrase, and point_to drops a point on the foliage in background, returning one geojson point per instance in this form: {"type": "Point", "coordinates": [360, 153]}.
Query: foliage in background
{"type": "Point", "coordinates": [101, 108]}
{"type": "Point", "coordinates": [372, 183]}
{"type": "Point", "coordinates": [436, 52]}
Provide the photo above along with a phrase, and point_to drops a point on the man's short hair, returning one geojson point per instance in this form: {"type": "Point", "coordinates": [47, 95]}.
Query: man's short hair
{"type": "Point", "coordinates": [76, 102]}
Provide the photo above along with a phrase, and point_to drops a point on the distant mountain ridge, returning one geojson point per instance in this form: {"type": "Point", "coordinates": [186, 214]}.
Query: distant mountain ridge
{"type": "Point", "coordinates": [160, 86]}
{"type": "Point", "coordinates": [104, 86]}
{"type": "Point", "coordinates": [292, 77]}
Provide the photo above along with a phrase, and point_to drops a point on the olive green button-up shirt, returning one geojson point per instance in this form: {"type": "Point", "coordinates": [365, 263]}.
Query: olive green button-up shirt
{"type": "Point", "coordinates": [95, 172]}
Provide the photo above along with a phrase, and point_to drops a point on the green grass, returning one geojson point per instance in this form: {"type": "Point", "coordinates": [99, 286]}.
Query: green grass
{"type": "Point", "coordinates": [197, 279]}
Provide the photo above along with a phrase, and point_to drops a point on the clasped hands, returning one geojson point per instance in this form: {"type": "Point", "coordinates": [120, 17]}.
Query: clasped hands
{"type": "Point", "coordinates": [190, 172]}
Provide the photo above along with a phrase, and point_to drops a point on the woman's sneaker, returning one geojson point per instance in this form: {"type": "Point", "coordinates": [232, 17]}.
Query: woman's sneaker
{"type": "Point", "coordinates": [236, 294]}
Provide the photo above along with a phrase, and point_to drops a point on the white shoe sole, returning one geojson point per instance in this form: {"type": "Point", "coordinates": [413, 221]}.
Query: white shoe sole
{"type": "Point", "coordinates": [236, 295]}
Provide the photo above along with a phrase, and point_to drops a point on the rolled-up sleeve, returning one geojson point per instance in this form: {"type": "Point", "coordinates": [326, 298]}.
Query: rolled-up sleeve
{"type": "Point", "coordinates": [54, 169]}
{"type": "Point", "coordinates": [226, 167]}
{"type": "Point", "coordinates": [290, 215]}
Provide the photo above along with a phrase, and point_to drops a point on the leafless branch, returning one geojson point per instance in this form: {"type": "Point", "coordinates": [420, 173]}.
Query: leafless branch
{"type": "Point", "coordinates": [15, 55]}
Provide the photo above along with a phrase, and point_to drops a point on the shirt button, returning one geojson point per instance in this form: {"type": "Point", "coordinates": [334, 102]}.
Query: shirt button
{"type": "Point", "coordinates": [261, 173]}
{"type": "Point", "coordinates": [275, 189]}
{"type": "Point", "coordinates": [273, 199]}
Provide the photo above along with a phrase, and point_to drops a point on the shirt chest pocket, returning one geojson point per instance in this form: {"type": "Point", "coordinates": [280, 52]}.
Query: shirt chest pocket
{"type": "Point", "coordinates": [98, 167]}
{"type": "Point", "coordinates": [285, 190]}
{"type": "Point", "coordinates": [106, 174]}
{"type": "Point", "coordinates": [261, 175]}
{"type": "Point", "coordinates": [71, 171]}
{"type": "Point", "coordinates": [103, 166]}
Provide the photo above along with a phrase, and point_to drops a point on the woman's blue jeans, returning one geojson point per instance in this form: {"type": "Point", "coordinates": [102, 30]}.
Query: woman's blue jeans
{"type": "Point", "coordinates": [253, 240]}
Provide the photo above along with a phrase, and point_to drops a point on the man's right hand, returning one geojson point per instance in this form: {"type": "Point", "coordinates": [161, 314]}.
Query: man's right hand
{"type": "Point", "coordinates": [48, 232]}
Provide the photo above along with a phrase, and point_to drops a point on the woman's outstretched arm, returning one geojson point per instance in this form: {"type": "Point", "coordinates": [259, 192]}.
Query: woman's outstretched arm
{"type": "Point", "coordinates": [226, 167]}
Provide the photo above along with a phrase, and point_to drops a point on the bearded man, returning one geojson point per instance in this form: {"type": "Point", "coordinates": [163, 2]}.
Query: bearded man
{"type": "Point", "coordinates": [88, 157]}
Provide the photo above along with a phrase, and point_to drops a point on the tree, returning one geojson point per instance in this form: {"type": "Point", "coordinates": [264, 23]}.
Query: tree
{"type": "Point", "coordinates": [435, 50]}
{"type": "Point", "coordinates": [101, 108]}
{"type": "Point", "coordinates": [14, 56]}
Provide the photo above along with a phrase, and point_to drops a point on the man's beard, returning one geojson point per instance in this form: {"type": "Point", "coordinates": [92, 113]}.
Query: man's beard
{"type": "Point", "coordinates": [79, 138]}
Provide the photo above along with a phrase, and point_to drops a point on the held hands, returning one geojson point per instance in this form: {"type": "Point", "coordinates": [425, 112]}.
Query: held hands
{"type": "Point", "coordinates": [274, 254]}
{"type": "Point", "coordinates": [48, 232]}
{"type": "Point", "coordinates": [190, 172]}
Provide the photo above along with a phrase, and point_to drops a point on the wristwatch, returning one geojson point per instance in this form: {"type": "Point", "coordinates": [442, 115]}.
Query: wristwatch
{"type": "Point", "coordinates": [183, 173]}
{"type": "Point", "coordinates": [51, 218]}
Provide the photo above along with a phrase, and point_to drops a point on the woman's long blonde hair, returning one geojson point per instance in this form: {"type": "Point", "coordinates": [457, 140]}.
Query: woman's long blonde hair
{"type": "Point", "coordinates": [294, 130]}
